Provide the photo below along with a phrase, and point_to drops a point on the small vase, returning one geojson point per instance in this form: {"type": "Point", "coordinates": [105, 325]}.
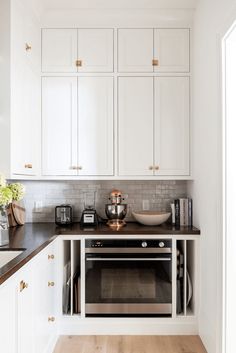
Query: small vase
{"type": "Point", "coordinates": [4, 226]}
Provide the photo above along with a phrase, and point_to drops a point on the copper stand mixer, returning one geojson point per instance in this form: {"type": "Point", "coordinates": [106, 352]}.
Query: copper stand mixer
{"type": "Point", "coordinates": [116, 211]}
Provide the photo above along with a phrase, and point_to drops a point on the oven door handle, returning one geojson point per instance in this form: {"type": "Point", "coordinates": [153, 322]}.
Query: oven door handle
{"type": "Point", "coordinates": [128, 259]}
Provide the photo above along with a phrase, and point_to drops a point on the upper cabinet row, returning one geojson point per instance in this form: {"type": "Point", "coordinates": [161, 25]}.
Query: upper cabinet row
{"type": "Point", "coordinates": [92, 50]}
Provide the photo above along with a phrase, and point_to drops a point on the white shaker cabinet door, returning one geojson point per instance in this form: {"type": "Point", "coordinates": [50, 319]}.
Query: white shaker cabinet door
{"type": "Point", "coordinates": [135, 50]}
{"type": "Point", "coordinates": [59, 125]}
{"type": "Point", "coordinates": [95, 125]}
{"type": "Point", "coordinates": [25, 319]}
{"type": "Point", "coordinates": [172, 125]}
{"type": "Point", "coordinates": [171, 49]}
{"type": "Point", "coordinates": [45, 292]}
{"type": "Point", "coordinates": [95, 50]}
{"type": "Point", "coordinates": [135, 126]}
{"type": "Point", "coordinates": [8, 340]}
{"type": "Point", "coordinates": [25, 113]}
{"type": "Point", "coordinates": [59, 50]}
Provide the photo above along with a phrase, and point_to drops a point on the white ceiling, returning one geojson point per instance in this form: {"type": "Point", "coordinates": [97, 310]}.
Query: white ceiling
{"type": "Point", "coordinates": [117, 4]}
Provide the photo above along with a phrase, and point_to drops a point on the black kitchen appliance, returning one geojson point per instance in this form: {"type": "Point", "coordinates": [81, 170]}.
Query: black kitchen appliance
{"type": "Point", "coordinates": [89, 215]}
{"type": "Point", "coordinates": [128, 277]}
{"type": "Point", "coordinates": [63, 215]}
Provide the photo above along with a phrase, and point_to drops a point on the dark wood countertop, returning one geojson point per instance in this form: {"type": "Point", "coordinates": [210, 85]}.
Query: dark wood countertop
{"type": "Point", "coordinates": [33, 237]}
{"type": "Point", "coordinates": [131, 228]}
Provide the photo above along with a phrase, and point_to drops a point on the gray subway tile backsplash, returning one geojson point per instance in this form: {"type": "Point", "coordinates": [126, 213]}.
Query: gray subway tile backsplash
{"type": "Point", "coordinates": [53, 193]}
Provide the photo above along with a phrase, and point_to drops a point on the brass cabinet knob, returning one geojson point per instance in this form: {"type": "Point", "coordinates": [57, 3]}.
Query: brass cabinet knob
{"type": "Point", "coordinates": [51, 284]}
{"type": "Point", "coordinates": [28, 165]}
{"type": "Point", "coordinates": [28, 46]}
{"type": "Point", "coordinates": [157, 167]}
{"type": "Point", "coordinates": [80, 168]}
{"type": "Point", "coordinates": [155, 62]}
{"type": "Point", "coordinates": [23, 285]}
{"type": "Point", "coordinates": [151, 167]}
{"type": "Point", "coordinates": [51, 319]}
{"type": "Point", "coordinates": [78, 63]}
{"type": "Point", "coordinates": [51, 257]}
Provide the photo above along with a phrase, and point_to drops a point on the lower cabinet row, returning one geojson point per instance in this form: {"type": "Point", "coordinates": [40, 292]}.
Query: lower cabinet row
{"type": "Point", "coordinates": [27, 318]}
{"type": "Point", "coordinates": [63, 281]}
{"type": "Point", "coordinates": [80, 128]}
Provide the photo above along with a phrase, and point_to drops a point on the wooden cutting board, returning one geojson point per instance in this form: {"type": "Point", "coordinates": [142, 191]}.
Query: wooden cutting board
{"type": "Point", "coordinates": [16, 214]}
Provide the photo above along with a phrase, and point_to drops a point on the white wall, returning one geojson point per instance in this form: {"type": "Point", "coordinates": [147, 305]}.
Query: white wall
{"type": "Point", "coordinates": [211, 20]}
{"type": "Point", "coordinates": [230, 244]}
{"type": "Point", "coordinates": [117, 18]}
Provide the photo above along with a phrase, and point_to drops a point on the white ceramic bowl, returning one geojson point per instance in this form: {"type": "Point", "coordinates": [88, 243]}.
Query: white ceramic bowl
{"type": "Point", "coordinates": [151, 218]}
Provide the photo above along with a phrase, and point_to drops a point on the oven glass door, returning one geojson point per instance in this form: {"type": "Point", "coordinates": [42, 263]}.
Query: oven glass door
{"type": "Point", "coordinates": [128, 284]}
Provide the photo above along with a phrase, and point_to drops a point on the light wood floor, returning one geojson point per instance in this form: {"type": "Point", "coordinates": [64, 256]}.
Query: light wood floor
{"type": "Point", "coordinates": [129, 344]}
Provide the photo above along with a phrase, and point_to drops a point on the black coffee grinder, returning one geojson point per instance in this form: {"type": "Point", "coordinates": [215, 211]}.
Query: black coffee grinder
{"type": "Point", "coordinates": [89, 216]}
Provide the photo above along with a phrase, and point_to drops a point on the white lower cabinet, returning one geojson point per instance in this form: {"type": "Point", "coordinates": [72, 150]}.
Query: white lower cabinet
{"type": "Point", "coordinates": [77, 126]}
{"type": "Point", "coordinates": [44, 300]}
{"type": "Point", "coordinates": [27, 320]}
{"type": "Point", "coordinates": [153, 126]}
{"type": "Point", "coordinates": [8, 316]}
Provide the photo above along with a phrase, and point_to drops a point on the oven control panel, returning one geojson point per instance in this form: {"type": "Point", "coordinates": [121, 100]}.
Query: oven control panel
{"type": "Point", "coordinates": [129, 243]}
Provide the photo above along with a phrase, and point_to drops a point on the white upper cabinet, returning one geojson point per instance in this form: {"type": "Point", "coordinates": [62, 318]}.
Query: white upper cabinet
{"type": "Point", "coordinates": [95, 125]}
{"type": "Point", "coordinates": [59, 50]}
{"type": "Point", "coordinates": [171, 50]}
{"type": "Point", "coordinates": [171, 125]}
{"type": "Point", "coordinates": [77, 126]}
{"type": "Point", "coordinates": [25, 130]}
{"type": "Point", "coordinates": [158, 50]}
{"type": "Point", "coordinates": [72, 50]}
{"type": "Point", "coordinates": [59, 125]}
{"type": "Point", "coordinates": [25, 92]}
{"type": "Point", "coordinates": [135, 50]}
{"type": "Point", "coordinates": [135, 126]}
{"type": "Point", "coordinates": [95, 50]}
{"type": "Point", "coordinates": [153, 131]}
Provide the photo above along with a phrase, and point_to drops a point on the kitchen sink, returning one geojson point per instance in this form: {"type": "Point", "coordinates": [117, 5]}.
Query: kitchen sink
{"type": "Point", "coordinates": [8, 255]}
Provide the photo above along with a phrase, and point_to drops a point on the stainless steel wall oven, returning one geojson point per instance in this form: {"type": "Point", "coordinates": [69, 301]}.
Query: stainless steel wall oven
{"type": "Point", "coordinates": [128, 277]}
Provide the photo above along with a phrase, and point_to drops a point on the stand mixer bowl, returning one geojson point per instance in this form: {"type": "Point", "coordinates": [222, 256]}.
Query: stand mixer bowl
{"type": "Point", "coordinates": [114, 211]}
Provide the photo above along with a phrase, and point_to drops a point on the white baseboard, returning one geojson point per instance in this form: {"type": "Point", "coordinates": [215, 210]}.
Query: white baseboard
{"type": "Point", "coordinates": [107, 326]}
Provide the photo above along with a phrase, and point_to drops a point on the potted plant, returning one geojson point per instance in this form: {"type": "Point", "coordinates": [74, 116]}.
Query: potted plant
{"type": "Point", "coordinates": [10, 194]}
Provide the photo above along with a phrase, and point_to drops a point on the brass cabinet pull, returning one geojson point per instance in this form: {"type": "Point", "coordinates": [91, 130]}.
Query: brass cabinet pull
{"type": "Point", "coordinates": [28, 166]}
{"type": "Point", "coordinates": [76, 167]}
{"type": "Point", "coordinates": [51, 319]}
{"type": "Point", "coordinates": [155, 62]}
{"type": "Point", "coordinates": [78, 63]}
{"type": "Point", "coordinates": [23, 285]}
{"type": "Point", "coordinates": [51, 284]}
{"type": "Point", "coordinates": [151, 167]}
{"type": "Point", "coordinates": [51, 257]}
{"type": "Point", "coordinates": [28, 47]}
{"type": "Point", "coordinates": [157, 167]}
